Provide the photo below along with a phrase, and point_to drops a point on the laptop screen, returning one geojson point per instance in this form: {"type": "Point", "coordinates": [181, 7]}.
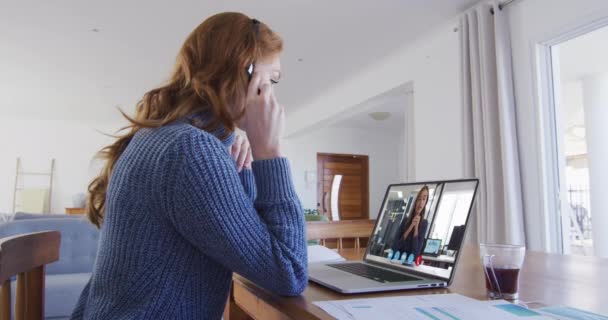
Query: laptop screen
{"type": "Point", "coordinates": [432, 247]}
{"type": "Point", "coordinates": [421, 227]}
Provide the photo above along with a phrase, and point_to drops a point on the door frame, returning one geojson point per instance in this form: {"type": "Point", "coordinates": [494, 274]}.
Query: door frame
{"type": "Point", "coordinates": [320, 175]}
{"type": "Point", "coordinates": [551, 164]}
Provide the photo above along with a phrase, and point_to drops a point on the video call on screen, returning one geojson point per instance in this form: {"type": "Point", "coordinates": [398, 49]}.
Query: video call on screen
{"type": "Point", "coordinates": [426, 220]}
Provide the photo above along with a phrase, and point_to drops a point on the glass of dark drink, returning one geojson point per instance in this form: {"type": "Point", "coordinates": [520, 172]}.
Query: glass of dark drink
{"type": "Point", "coordinates": [501, 266]}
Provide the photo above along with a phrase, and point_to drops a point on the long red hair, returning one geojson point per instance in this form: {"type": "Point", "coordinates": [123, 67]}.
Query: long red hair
{"type": "Point", "coordinates": [209, 76]}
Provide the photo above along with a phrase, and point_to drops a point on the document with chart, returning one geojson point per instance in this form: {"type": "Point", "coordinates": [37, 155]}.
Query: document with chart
{"type": "Point", "coordinates": [423, 307]}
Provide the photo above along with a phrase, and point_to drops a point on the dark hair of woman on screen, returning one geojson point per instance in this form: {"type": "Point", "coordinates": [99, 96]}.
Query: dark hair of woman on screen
{"type": "Point", "coordinates": [182, 202]}
{"type": "Point", "coordinates": [412, 232]}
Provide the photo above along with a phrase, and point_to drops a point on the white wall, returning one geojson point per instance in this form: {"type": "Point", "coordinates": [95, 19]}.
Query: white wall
{"type": "Point", "coordinates": [382, 148]}
{"type": "Point", "coordinates": [533, 22]}
{"type": "Point", "coordinates": [72, 144]}
{"type": "Point", "coordinates": [432, 65]}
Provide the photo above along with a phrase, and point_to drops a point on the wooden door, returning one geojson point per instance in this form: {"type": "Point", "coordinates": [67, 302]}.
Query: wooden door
{"type": "Point", "coordinates": [353, 190]}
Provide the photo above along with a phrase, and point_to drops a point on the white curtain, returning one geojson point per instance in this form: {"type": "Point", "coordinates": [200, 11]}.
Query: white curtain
{"type": "Point", "coordinates": [490, 138]}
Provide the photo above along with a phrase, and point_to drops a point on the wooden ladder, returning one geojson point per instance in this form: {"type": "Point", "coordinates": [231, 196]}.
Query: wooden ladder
{"type": "Point", "coordinates": [20, 174]}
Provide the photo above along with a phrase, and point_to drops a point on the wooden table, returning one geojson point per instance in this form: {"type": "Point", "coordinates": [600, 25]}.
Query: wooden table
{"type": "Point", "coordinates": [548, 279]}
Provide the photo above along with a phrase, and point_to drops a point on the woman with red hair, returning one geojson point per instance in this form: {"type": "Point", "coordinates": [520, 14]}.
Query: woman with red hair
{"type": "Point", "coordinates": [182, 203]}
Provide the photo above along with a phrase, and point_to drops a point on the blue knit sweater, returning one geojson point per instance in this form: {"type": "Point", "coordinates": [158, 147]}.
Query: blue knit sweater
{"type": "Point", "coordinates": [179, 220]}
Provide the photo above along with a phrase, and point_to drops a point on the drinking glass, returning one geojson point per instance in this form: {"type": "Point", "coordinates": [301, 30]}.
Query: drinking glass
{"type": "Point", "coordinates": [501, 265]}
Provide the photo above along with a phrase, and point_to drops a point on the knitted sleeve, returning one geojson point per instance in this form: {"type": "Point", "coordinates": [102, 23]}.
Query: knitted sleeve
{"type": "Point", "coordinates": [264, 240]}
{"type": "Point", "coordinates": [248, 181]}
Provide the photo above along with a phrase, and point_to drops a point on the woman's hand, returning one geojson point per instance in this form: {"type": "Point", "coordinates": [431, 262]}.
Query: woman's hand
{"type": "Point", "coordinates": [241, 153]}
{"type": "Point", "coordinates": [415, 223]}
{"type": "Point", "coordinates": [264, 119]}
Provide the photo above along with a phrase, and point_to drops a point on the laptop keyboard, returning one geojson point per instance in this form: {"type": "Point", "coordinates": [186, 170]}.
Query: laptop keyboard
{"type": "Point", "coordinates": [373, 273]}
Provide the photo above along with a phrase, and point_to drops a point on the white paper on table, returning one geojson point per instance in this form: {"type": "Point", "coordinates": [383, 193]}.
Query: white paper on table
{"type": "Point", "coordinates": [421, 307]}
{"type": "Point", "coordinates": [568, 313]}
{"type": "Point", "coordinates": [520, 310]}
{"type": "Point", "coordinates": [558, 312]}
{"type": "Point", "coordinates": [317, 253]}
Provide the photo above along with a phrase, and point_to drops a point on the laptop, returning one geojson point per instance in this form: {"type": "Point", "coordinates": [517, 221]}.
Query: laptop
{"type": "Point", "coordinates": [432, 247]}
{"type": "Point", "coordinates": [395, 262]}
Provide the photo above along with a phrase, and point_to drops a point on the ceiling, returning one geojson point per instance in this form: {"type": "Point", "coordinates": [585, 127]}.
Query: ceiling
{"type": "Point", "coordinates": [54, 66]}
{"type": "Point", "coordinates": [394, 101]}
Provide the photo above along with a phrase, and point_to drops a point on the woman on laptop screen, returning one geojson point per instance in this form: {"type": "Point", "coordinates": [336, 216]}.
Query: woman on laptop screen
{"type": "Point", "coordinates": [412, 232]}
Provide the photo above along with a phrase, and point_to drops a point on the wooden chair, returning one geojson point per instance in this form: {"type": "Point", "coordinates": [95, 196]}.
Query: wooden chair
{"type": "Point", "coordinates": [25, 256]}
{"type": "Point", "coordinates": [354, 229]}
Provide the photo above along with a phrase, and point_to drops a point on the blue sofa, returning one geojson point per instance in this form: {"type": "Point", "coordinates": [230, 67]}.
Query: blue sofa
{"type": "Point", "coordinates": [65, 278]}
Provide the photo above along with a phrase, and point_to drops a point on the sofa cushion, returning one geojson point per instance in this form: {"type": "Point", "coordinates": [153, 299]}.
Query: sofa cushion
{"type": "Point", "coordinates": [61, 293]}
{"type": "Point", "coordinates": [78, 247]}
